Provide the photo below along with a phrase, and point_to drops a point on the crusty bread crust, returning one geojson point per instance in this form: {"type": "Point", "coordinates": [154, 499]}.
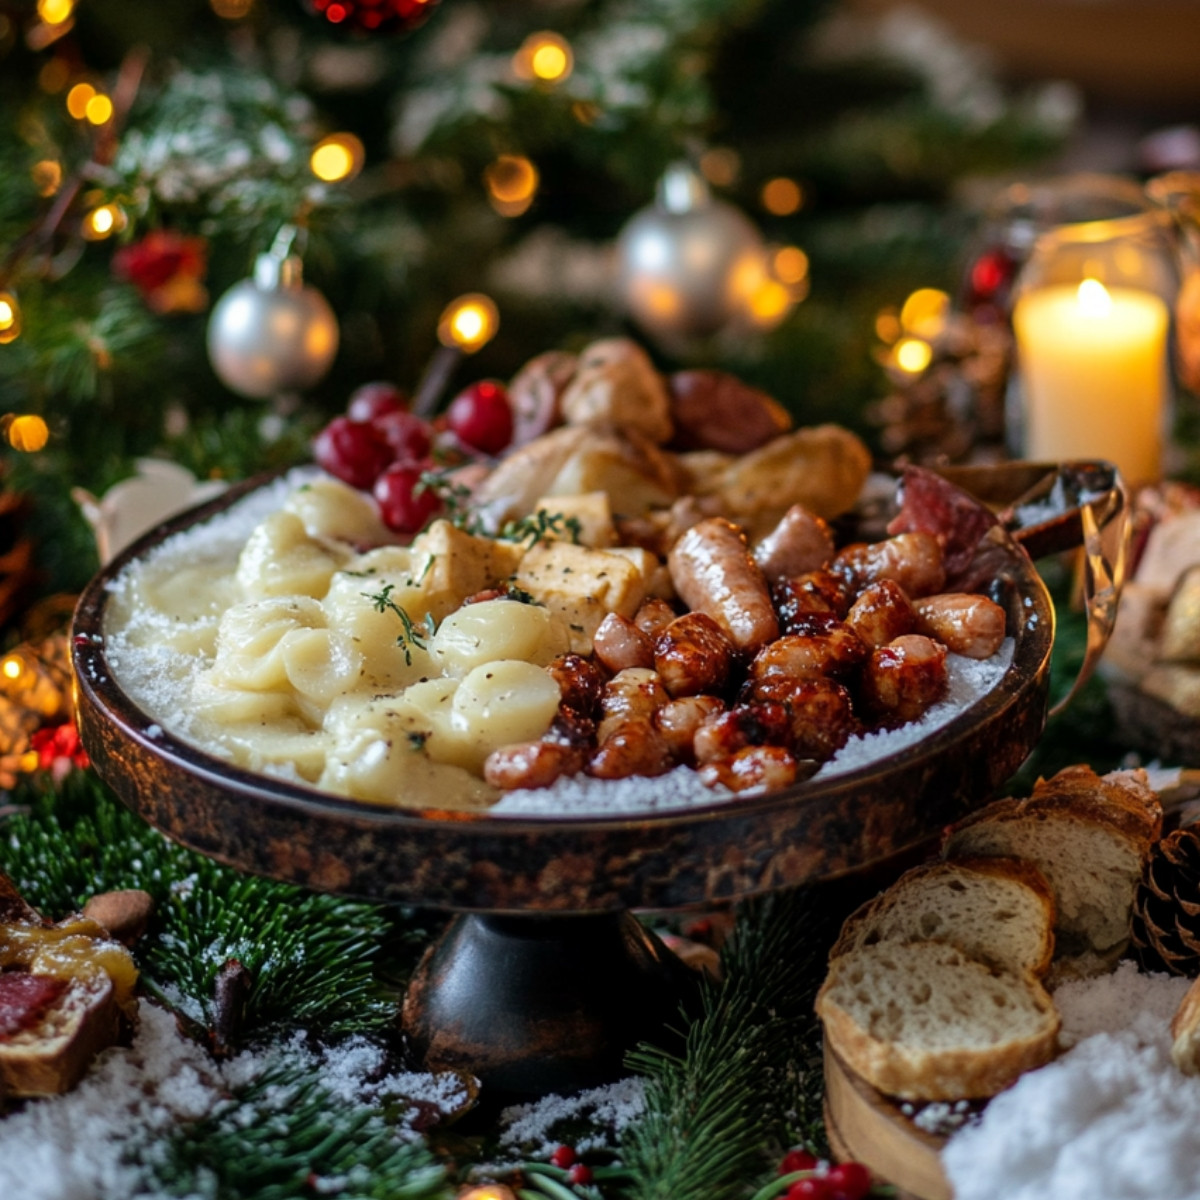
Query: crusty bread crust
{"type": "Point", "coordinates": [914, 1073]}
{"type": "Point", "coordinates": [52, 1057]}
{"type": "Point", "coordinates": [860, 922]}
{"type": "Point", "coordinates": [1185, 1032]}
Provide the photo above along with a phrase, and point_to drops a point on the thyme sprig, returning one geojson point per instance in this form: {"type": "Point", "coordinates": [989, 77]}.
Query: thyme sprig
{"type": "Point", "coordinates": [540, 525]}
{"type": "Point", "coordinates": [414, 635]}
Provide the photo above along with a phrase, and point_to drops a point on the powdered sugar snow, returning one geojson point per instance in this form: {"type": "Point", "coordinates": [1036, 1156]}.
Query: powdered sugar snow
{"type": "Point", "coordinates": [1113, 1117]}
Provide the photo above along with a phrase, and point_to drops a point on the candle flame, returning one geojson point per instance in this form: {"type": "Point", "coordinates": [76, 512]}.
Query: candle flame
{"type": "Point", "coordinates": [1094, 300]}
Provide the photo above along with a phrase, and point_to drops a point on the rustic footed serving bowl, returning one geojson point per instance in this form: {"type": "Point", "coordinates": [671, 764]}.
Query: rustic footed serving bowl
{"type": "Point", "coordinates": [534, 867]}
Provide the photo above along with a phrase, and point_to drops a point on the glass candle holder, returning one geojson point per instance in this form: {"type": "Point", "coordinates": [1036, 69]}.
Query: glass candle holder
{"type": "Point", "coordinates": [1092, 317]}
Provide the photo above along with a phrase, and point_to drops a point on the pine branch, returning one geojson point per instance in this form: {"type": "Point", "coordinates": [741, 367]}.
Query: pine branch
{"type": "Point", "coordinates": [749, 1079]}
{"type": "Point", "coordinates": [284, 1135]}
{"type": "Point", "coordinates": [311, 957]}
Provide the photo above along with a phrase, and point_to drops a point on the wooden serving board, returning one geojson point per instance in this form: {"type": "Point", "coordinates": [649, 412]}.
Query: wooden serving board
{"type": "Point", "coordinates": [868, 1127]}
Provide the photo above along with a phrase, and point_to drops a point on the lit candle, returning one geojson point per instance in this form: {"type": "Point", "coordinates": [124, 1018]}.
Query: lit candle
{"type": "Point", "coordinates": [1093, 365]}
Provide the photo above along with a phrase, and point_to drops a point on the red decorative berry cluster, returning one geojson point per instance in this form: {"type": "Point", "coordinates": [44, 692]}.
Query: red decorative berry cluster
{"type": "Point", "coordinates": [565, 1157]}
{"type": "Point", "coordinates": [842, 1181]}
{"type": "Point", "coordinates": [379, 445]}
{"type": "Point", "coordinates": [374, 16]}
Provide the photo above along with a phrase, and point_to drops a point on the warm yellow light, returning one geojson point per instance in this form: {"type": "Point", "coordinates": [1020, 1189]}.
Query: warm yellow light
{"type": "Point", "coordinates": [782, 197]}
{"type": "Point", "coordinates": [790, 264]}
{"type": "Point", "coordinates": [469, 322]}
{"type": "Point", "coordinates": [12, 667]}
{"type": "Point", "coordinates": [29, 434]}
{"type": "Point", "coordinates": [486, 1191]}
{"type": "Point", "coordinates": [47, 176]}
{"type": "Point", "coordinates": [544, 56]}
{"type": "Point", "coordinates": [510, 178]}
{"type": "Point", "coordinates": [231, 10]}
{"type": "Point", "coordinates": [103, 222]}
{"type": "Point", "coordinates": [720, 166]}
{"type": "Point", "coordinates": [337, 157]}
{"type": "Point", "coordinates": [54, 76]}
{"type": "Point", "coordinates": [99, 109]}
{"type": "Point", "coordinates": [55, 12]}
{"type": "Point", "coordinates": [887, 326]}
{"type": "Point", "coordinates": [10, 318]}
{"type": "Point", "coordinates": [769, 303]}
{"type": "Point", "coordinates": [913, 355]}
{"type": "Point", "coordinates": [1094, 300]}
{"type": "Point", "coordinates": [78, 98]}
{"type": "Point", "coordinates": [924, 313]}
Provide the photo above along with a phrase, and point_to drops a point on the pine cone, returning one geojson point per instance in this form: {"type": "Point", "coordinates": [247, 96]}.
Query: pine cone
{"type": "Point", "coordinates": [1165, 924]}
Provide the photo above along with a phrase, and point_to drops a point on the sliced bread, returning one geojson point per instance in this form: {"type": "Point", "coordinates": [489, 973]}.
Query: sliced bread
{"type": "Point", "coordinates": [923, 1021]}
{"type": "Point", "coordinates": [1089, 837]}
{"type": "Point", "coordinates": [996, 910]}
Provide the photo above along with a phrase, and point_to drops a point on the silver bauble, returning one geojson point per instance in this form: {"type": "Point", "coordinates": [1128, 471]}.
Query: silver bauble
{"type": "Point", "coordinates": [272, 334]}
{"type": "Point", "coordinates": [689, 264]}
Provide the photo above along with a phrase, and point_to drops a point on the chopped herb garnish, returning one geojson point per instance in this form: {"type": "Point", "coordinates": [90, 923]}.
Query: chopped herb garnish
{"type": "Point", "coordinates": [540, 525]}
{"type": "Point", "coordinates": [414, 634]}
{"type": "Point", "coordinates": [512, 592]}
{"type": "Point", "coordinates": [417, 739]}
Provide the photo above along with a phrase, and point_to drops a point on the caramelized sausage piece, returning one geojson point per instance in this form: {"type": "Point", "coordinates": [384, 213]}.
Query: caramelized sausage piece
{"type": "Point", "coordinates": [635, 692]}
{"type": "Point", "coordinates": [580, 682]}
{"type": "Point", "coordinates": [902, 679]}
{"type": "Point", "coordinates": [532, 764]}
{"type": "Point", "coordinates": [619, 644]}
{"type": "Point", "coordinates": [820, 711]}
{"type": "Point", "coordinates": [714, 573]}
{"type": "Point", "coordinates": [913, 560]}
{"type": "Point", "coordinates": [882, 613]}
{"type": "Point", "coordinates": [967, 624]}
{"type": "Point", "coordinates": [800, 542]}
{"type": "Point", "coordinates": [632, 747]}
{"type": "Point", "coordinates": [757, 768]}
{"type": "Point", "coordinates": [654, 615]}
{"type": "Point", "coordinates": [813, 592]}
{"type": "Point", "coordinates": [679, 720]}
{"type": "Point", "coordinates": [837, 652]}
{"type": "Point", "coordinates": [756, 724]}
{"type": "Point", "coordinates": [693, 655]}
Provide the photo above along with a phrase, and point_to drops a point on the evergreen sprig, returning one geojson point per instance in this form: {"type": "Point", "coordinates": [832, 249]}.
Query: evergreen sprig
{"type": "Point", "coordinates": [284, 1135]}
{"type": "Point", "coordinates": [748, 1081]}
{"type": "Point", "coordinates": [311, 957]}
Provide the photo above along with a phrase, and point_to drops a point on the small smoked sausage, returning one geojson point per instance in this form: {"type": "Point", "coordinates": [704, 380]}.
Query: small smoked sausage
{"type": "Point", "coordinates": [532, 764]}
{"type": "Point", "coordinates": [755, 724]}
{"type": "Point", "coordinates": [837, 652]}
{"type": "Point", "coordinates": [800, 542]}
{"type": "Point", "coordinates": [693, 655]}
{"type": "Point", "coordinates": [619, 643]}
{"type": "Point", "coordinates": [714, 573]}
{"type": "Point", "coordinates": [902, 679]}
{"type": "Point", "coordinates": [758, 768]}
{"type": "Point", "coordinates": [813, 592]}
{"type": "Point", "coordinates": [580, 682]}
{"type": "Point", "coordinates": [632, 747]}
{"type": "Point", "coordinates": [882, 613]}
{"type": "Point", "coordinates": [913, 560]}
{"type": "Point", "coordinates": [679, 720]}
{"type": "Point", "coordinates": [970, 625]}
{"type": "Point", "coordinates": [635, 692]}
{"type": "Point", "coordinates": [654, 615]}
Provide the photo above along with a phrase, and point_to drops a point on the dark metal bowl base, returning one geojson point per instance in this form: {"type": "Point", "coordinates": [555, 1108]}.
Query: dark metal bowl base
{"type": "Point", "coordinates": [531, 1005]}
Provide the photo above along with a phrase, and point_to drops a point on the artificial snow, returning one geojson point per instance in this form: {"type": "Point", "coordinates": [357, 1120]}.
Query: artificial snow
{"type": "Point", "coordinates": [80, 1146]}
{"type": "Point", "coordinates": [530, 1128]}
{"type": "Point", "coordinates": [1112, 1117]}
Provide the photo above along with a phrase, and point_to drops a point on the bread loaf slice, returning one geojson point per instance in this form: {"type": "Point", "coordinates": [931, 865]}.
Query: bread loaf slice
{"type": "Point", "coordinates": [996, 910]}
{"type": "Point", "coordinates": [1089, 837]}
{"type": "Point", "coordinates": [923, 1021]}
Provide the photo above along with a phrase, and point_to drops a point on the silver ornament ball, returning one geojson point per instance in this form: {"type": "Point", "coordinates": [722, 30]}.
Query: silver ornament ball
{"type": "Point", "coordinates": [689, 264]}
{"type": "Point", "coordinates": [272, 334]}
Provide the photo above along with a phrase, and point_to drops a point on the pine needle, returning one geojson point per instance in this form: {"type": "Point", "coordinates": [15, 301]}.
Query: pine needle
{"type": "Point", "coordinates": [748, 1081]}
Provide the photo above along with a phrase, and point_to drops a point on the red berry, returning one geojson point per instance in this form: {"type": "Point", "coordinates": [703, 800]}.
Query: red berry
{"type": "Point", "coordinates": [374, 399]}
{"type": "Point", "coordinates": [797, 1160]}
{"type": "Point", "coordinates": [563, 1156]}
{"type": "Point", "coordinates": [848, 1181]}
{"type": "Point", "coordinates": [481, 417]}
{"type": "Point", "coordinates": [404, 506]}
{"type": "Point", "coordinates": [812, 1188]}
{"type": "Point", "coordinates": [580, 1173]}
{"type": "Point", "coordinates": [352, 450]}
{"type": "Point", "coordinates": [409, 437]}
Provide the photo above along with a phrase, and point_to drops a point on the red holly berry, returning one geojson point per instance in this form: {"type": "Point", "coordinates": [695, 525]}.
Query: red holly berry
{"type": "Point", "coordinates": [848, 1181]}
{"type": "Point", "coordinates": [797, 1160]}
{"type": "Point", "coordinates": [353, 451]}
{"type": "Point", "coordinates": [409, 437]}
{"type": "Point", "coordinates": [563, 1156]}
{"type": "Point", "coordinates": [404, 504]}
{"type": "Point", "coordinates": [580, 1173]}
{"type": "Point", "coordinates": [813, 1188]}
{"type": "Point", "coordinates": [481, 417]}
{"type": "Point", "coordinates": [374, 16]}
{"type": "Point", "coordinates": [372, 400]}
